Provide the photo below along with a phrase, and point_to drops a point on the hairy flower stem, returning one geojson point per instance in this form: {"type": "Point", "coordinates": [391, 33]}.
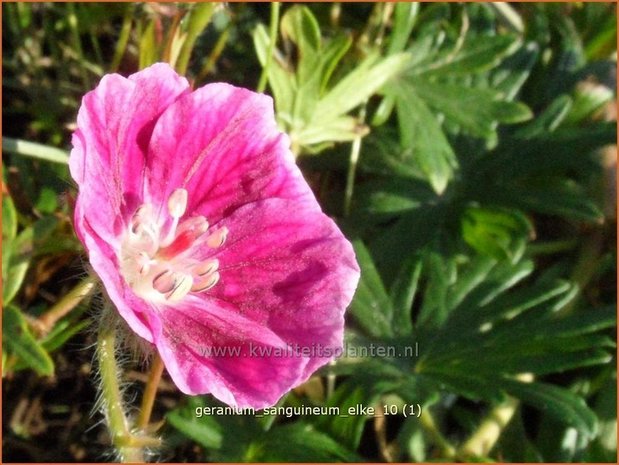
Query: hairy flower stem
{"type": "Point", "coordinates": [150, 392]}
{"type": "Point", "coordinates": [129, 450]}
{"type": "Point", "coordinates": [273, 26]}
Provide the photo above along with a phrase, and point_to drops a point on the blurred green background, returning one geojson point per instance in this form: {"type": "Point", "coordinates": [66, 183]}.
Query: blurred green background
{"type": "Point", "coordinates": [466, 149]}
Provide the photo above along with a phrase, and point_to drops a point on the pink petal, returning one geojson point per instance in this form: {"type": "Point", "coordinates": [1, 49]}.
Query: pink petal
{"type": "Point", "coordinates": [139, 315]}
{"type": "Point", "coordinates": [288, 267]}
{"type": "Point", "coordinates": [115, 124]}
{"type": "Point", "coordinates": [196, 328]}
{"type": "Point", "coordinates": [221, 143]}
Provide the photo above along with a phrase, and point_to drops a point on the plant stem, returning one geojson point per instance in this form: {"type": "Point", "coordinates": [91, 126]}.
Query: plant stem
{"type": "Point", "coordinates": [123, 39]}
{"type": "Point", "coordinates": [487, 434]}
{"type": "Point", "coordinates": [112, 398]}
{"type": "Point", "coordinates": [483, 439]}
{"type": "Point", "coordinates": [47, 321]}
{"type": "Point", "coordinates": [355, 150]}
{"type": "Point", "coordinates": [72, 20]}
{"type": "Point", "coordinates": [150, 392]}
{"type": "Point", "coordinates": [214, 55]}
{"type": "Point", "coordinates": [262, 82]}
{"type": "Point", "coordinates": [427, 421]}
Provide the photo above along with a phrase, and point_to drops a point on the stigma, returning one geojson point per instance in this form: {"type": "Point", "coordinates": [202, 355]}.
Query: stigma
{"type": "Point", "coordinates": [158, 251]}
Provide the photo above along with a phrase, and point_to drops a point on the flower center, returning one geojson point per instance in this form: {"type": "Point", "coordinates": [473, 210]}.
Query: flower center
{"type": "Point", "coordinates": [157, 255]}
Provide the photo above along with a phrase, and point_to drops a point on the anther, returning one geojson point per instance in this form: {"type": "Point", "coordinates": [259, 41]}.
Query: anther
{"type": "Point", "coordinates": [165, 282]}
{"type": "Point", "coordinates": [141, 217]}
{"type": "Point", "coordinates": [177, 203]}
{"type": "Point", "coordinates": [218, 238]}
{"type": "Point", "coordinates": [206, 267]}
{"type": "Point", "coordinates": [181, 289]}
{"type": "Point", "coordinates": [205, 283]}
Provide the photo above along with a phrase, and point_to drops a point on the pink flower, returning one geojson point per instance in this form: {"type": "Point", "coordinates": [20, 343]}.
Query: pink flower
{"type": "Point", "coordinates": [206, 236]}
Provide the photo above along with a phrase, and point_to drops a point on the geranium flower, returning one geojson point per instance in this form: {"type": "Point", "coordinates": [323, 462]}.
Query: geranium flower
{"type": "Point", "coordinates": [206, 236]}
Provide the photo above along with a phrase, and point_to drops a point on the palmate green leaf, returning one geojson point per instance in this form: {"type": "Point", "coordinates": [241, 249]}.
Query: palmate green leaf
{"type": "Point", "coordinates": [371, 306]}
{"type": "Point", "coordinates": [513, 331]}
{"type": "Point", "coordinates": [358, 85]}
{"type": "Point", "coordinates": [455, 101]}
{"type": "Point", "coordinates": [19, 341]}
{"type": "Point", "coordinates": [478, 54]}
{"type": "Point", "coordinates": [423, 137]}
{"type": "Point", "coordinates": [560, 403]}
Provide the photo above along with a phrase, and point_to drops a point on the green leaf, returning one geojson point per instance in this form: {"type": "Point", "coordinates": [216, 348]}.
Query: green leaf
{"type": "Point", "coordinates": [455, 101]}
{"type": "Point", "coordinates": [34, 150]}
{"type": "Point", "coordinates": [20, 255]}
{"type": "Point", "coordinates": [548, 120]}
{"type": "Point", "coordinates": [9, 218]}
{"type": "Point", "coordinates": [196, 21]}
{"type": "Point", "coordinates": [19, 341]}
{"type": "Point", "coordinates": [281, 80]}
{"type": "Point", "coordinates": [371, 306]}
{"type": "Point", "coordinates": [342, 128]}
{"type": "Point", "coordinates": [588, 98]}
{"type": "Point", "coordinates": [513, 72]}
{"type": "Point", "coordinates": [422, 135]}
{"type": "Point", "coordinates": [403, 291]}
{"type": "Point", "coordinates": [477, 55]}
{"type": "Point", "coordinates": [404, 17]}
{"type": "Point", "coordinates": [149, 51]}
{"type": "Point", "coordinates": [297, 442]}
{"type": "Point", "coordinates": [500, 233]}
{"type": "Point", "coordinates": [550, 196]}
{"type": "Point", "coordinates": [557, 402]}
{"type": "Point", "coordinates": [300, 26]}
{"type": "Point", "coordinates": [204, 430]}
{"type": "Point", "coordinates": [360, 84]}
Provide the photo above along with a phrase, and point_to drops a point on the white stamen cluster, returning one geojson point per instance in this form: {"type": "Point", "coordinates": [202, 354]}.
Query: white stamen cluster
{"type": "Point", "coordinates": [157, 256]}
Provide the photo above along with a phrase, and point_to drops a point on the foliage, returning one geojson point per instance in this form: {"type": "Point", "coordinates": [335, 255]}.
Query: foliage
{"type": "Point", "coordinates": [464, 148]}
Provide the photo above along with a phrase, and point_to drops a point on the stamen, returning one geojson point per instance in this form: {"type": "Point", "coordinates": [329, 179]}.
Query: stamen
{"type": "Point", "coordinates": [165, 282]}
{"type": "Point", "coordinates": [182, 288]}
{"type": "Point", "coordinates": [206, 267]}
{"type": "Point", "coordinates": [158, 252]}
{"type": "Point", "coordinates": [218, 238]}
{"type": "Point", "coordinates": [205, 283]}
{"type": "Point", "coordinates": [177, 203]}
{"type": "Point", "coordinates": [141, 217]}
